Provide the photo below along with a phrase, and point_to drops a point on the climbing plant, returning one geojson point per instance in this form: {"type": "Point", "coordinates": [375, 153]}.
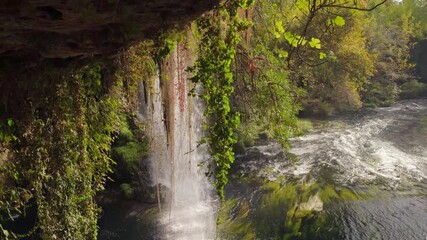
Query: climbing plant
{"type": "Point", "coordinates": [219, 35]}
{"type": "Point", "coordinates": [60, 154]}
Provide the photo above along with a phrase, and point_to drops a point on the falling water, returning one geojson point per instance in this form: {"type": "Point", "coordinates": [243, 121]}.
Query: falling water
{"type": "Point", "coordinates": [186, 198]}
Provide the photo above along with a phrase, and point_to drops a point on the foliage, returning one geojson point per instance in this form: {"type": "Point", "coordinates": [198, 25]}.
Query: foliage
{"type": "Point", "coordinates": [340, 56]}
{"type": "Point", "coordinates": [61, 156]}
{"type": "Point", "coordinates": [128, 150]}
{"type": "Point", "coordinates": [264, 93]}
{"type": "Point", "coordinates": [132, 66]}
{"type": "Point", "coordinates": [334, 85]}
{"type": "Point", "coordinates": [59, 144]}
{"type": "Point", "coordinates": [390, 37]}
{"type": "Point", "coordinates": [127, 190]}
{"type": "Point", "coordinates": [218, 33]}
{"type": "Point", "coordinates": [166, 43]}
{"type": "Point", "coordinates": [413, 89]}
{"type": "Point", "coordinates": [265, 97]}
{"type": "Point", "coordinates": [7, 128]}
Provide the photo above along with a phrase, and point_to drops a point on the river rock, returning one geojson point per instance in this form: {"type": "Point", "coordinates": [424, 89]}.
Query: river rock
{"type": "Point", "coordinates": [314, 203]}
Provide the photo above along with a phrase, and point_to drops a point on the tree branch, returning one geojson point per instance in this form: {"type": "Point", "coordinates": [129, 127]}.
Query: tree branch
{"type": "Point", "coordinates": [355, 8]}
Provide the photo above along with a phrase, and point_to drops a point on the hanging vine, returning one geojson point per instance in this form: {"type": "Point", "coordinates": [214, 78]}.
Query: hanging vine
{"type": "Point", "coordinates": [219, 35]}
{"type": "Point", "coordinates": [60, 155]}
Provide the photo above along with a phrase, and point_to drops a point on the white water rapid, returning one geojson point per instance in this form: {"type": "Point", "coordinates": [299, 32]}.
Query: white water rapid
{"type": "Point", "coordinates": [374, 161]}
{"type": "Point", "coordinates": [174, 121]}
{"type": "Point", "coordinates": [383, 146]}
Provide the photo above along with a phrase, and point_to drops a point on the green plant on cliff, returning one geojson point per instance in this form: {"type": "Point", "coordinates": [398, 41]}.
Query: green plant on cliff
{"type": "Point", "coordinates": [61, 154]}
{"type": "Point", "coordinates": [128, 149]}
{"type": "Point", "coordinates": [58, 145]}
{"type": "Point", "coordinates": [218, 32]}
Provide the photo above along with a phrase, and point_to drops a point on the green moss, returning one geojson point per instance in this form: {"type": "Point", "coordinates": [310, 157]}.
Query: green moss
{"type": "Point", "coordinates": [277, 215]}
{"type": "Point", "coordinates": [129, 153]}
{"type": "Point", "coordinates": [328, 194]}
{"type": "Point", "coordinates": [167, 42]}
{"type": "Point", "coordinates": [286, 195]}
{"type": "Point", "coordinates": [347, 194]}
{"type": "Point", "coordinates": [307, 190]}
{"type": "Point", "coordinates": [293, 229]}
{"type": "Point", "coordinates": [125, 133]}
{"type": "Point", "coordinates": [225, 210]}
{"type": "Point", "coordinates": [303, 213]}
{"type": "Point", "coordinates": [128, 149]}
{"type": "Point", "coordinates": [238, 225]}
{"type": "Point", "coordinates": [272, 186]}
{"type": "Point", "coordinates": [371, 192]}
{"type": "Point", "coordinates": [127, 190]}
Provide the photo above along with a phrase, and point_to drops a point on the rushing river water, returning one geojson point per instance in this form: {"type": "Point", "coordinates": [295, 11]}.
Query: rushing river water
{"type": "Point", "coordinates": [362, 176]}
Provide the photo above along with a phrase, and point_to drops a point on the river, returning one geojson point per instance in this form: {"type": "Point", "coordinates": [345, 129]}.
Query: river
{"type": "Point", "coordinates": [359, 176]}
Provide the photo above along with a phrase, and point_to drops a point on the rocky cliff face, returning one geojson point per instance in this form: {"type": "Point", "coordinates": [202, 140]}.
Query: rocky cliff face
{"type": "Point", "coordinates": [46, 29]}
{"type": "Point", "coordinates": [50, 35]}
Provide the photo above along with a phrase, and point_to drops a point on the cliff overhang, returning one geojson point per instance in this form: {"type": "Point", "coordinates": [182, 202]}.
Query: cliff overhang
{"type": "Point", "coordinates": [69, 29]}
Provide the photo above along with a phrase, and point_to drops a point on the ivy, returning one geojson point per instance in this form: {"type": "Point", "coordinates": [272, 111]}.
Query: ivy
{"type": "Point", "coordinates": [7, 128]}
{"type": "Point", "coordinates": [219, 35]}
{"type": "Point", "coordinates": [60, 159]}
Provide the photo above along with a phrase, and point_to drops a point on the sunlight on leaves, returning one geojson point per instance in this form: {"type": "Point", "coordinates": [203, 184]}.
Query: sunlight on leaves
{"type": "Point", "coordinates": [314, 43]}
{"type": "Point", "coordinates": [322, 55]}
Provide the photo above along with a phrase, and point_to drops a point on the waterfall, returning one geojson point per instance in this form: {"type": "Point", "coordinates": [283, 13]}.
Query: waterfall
{"type": "Point", "coordinates": [186, 198]}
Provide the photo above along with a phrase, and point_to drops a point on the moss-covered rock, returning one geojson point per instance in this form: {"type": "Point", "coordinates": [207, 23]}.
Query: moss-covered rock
{"type": "Point", "coordinates": [128, 151]}
{"type": "Point", "coordinates": [127, 190]}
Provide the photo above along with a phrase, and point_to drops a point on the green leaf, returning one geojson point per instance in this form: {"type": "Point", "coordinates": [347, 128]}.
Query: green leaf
{"type": "Point", "coordinates": [280, 26]}
{"type": "Point", "coordinates": [302, 5]}
{"type": "Point", "coordinates": [314, 43]}
{"type": "Point", "coordinates": [322, 55]}
{"type": "Point", "coordinates": [245, 4]}
{"type": "Point", "coordinates": [303, 42]}
{"type": "Point", "coordinates": [10, 122]}
{"type": "Point", "coordinates": [292, 39]}
{"type": "Point", "coordinates": [282, 53]}
{"type": "Point", "coordinates": [339, 21]}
